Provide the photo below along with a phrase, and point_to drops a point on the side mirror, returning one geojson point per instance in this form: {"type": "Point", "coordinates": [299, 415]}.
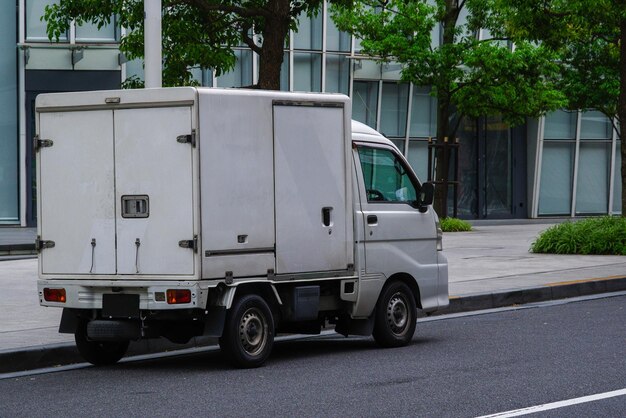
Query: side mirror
{"type": "Point", "coordinates": [426, 196]}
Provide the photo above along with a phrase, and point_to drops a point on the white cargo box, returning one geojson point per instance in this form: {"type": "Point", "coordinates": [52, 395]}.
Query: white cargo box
{"type": "Point", "coordinates": [193, 183]}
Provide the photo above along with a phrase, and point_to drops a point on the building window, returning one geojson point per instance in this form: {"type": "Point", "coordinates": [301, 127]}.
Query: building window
{"type": "Point", "coordinates": [35, 27]}
{"type": "Point", "coordinates": [9, 156]}
{"type": "Point", "coordinates": [595, 125]}
{"type": "Point", "coordinates": [337, 74]}
{"type": "Point", "coordinates": [592, 186]}
{"type": "Point", "coordinates": [284, 73]}
{"type": "Point", "coordinates": [617, 180]}
{"type": "Point", "coordinates": [335, 39]}
{"type": "Point", "coordinates": [557, 163]}
{"type": "Point", "coordinates": [307, 72]}
{"type": "Point", "coordinates": [309, 34]}
{"type": "Point", "coordinates": [423, 113]}
{"type": "Point", "coordinates": [365, 102]}
{"type": "Point", "coordinates": [594, 163]}
{"type": "Point", "coordinates": [418, 158]}
{"type": "Point", "coordinates": [241, 75]}
{"type": "Point", "coordinates": [557, 168]}
{"type": "Point", "coordinates": [393, 110]}
{"type": "Point", "coordinates": [423, 126]}
{"type": "Point", "coordinates": [560, 125]}
{"type": "Point", "coordinates": [89, 32]}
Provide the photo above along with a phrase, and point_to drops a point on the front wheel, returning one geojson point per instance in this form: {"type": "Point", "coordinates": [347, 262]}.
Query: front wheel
{"type": "Point", "coordinates": [99, 353]}
{"type": "Point", "coordinates": [248, 333]}
{"type": "Point", "coordinates": [394, 324]}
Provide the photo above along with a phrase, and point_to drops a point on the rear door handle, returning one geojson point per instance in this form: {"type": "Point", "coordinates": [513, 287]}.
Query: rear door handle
{"type": "Point", "coordinates": [372, 219]}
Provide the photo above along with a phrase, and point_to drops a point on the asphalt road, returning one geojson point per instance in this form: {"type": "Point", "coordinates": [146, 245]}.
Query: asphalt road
{"type": "Point", "coordinates": [461, 367]}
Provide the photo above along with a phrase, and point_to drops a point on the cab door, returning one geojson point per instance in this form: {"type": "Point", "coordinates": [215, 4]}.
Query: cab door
{"type": "Point", "coordinates": [398, 237]}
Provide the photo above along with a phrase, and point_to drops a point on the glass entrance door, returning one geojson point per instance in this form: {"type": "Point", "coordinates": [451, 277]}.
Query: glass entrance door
{"type": "Point", "coordinates": [497, 201]}
{"type": "Point", "coordinates": [492, 170]}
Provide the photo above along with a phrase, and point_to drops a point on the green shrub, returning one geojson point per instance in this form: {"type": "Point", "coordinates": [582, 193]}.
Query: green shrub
{"type": "Point", "coordinates": [455, 225]}
{"type": "Point", "coordinates": [604, 235]}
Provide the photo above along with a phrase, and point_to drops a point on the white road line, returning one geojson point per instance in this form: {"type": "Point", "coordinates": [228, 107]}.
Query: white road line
{"type": "Point", "coordinates": [556, 405]}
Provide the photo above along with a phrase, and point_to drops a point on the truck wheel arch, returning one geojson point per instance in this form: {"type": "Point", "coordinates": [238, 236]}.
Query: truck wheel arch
{"type": "Point", "coordinates": [410, 282]}
{"type": "Point", "coordinates": [266, 290]}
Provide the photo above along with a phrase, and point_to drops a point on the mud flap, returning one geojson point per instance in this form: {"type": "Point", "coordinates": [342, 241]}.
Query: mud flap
{"type": "Point", "coordinates": [347, 326]}
{"type": "Point", "coordinates": [215, 318]}
{"type": "Point", "coordinates": [69, 321]}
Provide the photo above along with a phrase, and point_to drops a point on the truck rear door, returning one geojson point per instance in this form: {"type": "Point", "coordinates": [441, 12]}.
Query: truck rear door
{"type": "Point", "coordinates": [76, 183]}
{"type": "Point", "coordinates": [117, 191]}
{"type": "Point", "coordinates": [153, 191]}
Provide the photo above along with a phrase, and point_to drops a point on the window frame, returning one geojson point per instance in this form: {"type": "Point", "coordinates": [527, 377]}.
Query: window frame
{"type": "Point", "coordinates": [417, 185]}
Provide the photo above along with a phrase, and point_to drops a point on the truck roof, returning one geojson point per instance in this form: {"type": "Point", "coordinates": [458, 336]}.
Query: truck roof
{"type": "Point", "coordinates": [364, 133]}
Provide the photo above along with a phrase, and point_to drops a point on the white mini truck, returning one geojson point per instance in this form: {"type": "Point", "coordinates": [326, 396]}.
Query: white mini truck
{"type": "Point", "coordinates": [238, 214]}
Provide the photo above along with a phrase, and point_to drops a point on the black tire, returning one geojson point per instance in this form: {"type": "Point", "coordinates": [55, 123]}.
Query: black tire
{"type": "Point", "coordinates": [248, 335]}
{"type": "Point", "coordinates": [99, 353]}
{"type": "Point", "coordinates": [396, 313]}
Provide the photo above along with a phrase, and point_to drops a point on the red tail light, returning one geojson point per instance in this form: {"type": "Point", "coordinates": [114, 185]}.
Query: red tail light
{"type": "Point", "coordinates": [54, 295]}
{"type": "Point", "coordinates": [175, 296]}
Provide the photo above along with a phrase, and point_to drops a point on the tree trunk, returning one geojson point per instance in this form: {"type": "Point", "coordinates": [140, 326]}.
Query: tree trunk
{"type": "Point", "coordinates": [272, 51]}
{"type": "Point", "coordinates": [442, 157]}
{"type": "Point", "coordinates": [621, 108]}
{"type": "Point", "coordinates": [443, 118]}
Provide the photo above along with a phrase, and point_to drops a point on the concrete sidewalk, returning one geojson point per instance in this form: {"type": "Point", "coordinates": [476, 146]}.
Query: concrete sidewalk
{"type": "Point", "coordinates": [488, 267]}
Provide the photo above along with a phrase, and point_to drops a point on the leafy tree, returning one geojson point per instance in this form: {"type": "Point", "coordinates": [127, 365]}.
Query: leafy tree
{"type": "Point", "coordinates": [470, 77]}
{"type": "Point", "coordinates": [196, 33]}
{"type": "Point", "coordinates": [590, 39]}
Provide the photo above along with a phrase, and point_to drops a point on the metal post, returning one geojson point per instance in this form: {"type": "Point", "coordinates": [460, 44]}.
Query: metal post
{"type": "Point", "coordinates": [152, 43]}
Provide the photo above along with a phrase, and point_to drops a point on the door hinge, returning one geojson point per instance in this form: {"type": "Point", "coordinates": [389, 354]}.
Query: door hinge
{"type": "Point", "coordinates": [41, 244]}
{"type": "Point", "coordinates": [39, 143]}
{"type": "Point", "coordinates": [191, 244]}
{"type": "Point", "coordinates": [187, 139]}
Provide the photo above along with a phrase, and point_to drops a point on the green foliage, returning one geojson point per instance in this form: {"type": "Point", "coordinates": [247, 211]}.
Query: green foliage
{"type": "Point", "coordinates": [589, 37]}
{"type": "Point", "coordinates": [585, 34]}
{"type": "Point", "coordinates": [196, 33]}
{"type": "Point", "coordinates": [189, 40]}
{"type": "Point", "coordinates": [475, 77]}
{"type": "Point", "coordinates": [469, 76]}
{"type": "Point", "coordinates": [455, 225]}
{"type": "Point", "coordinates": [604, 235]}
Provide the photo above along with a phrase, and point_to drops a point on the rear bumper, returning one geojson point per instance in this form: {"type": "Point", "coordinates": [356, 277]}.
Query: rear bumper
{"type": "Point", "coordinates": [87, 294]}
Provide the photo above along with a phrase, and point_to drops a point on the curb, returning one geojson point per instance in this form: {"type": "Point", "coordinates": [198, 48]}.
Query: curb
{"type": "Point", "coordinates": [554, 291]}
{"type": "Point", "coordinates": [55, 355]}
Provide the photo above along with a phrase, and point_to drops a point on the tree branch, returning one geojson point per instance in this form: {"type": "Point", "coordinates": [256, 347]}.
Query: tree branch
{"type": "Point", "coordinates": [245, 29]}
{"type": "Point", "coordinates": [203, 6]}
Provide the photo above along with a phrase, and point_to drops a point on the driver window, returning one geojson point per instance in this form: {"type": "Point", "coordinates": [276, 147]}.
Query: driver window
{"type": "Point", "coordinates": [386, 178]}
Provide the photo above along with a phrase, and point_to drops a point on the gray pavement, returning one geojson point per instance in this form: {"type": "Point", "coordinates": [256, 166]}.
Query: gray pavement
{"type": "Point", "coordinates": [488, 267]}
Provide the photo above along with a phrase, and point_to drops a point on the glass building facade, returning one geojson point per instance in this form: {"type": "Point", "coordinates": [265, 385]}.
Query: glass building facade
{"type": "Point", "coordinates": [578, 165]}
{"type": "Point", "coordinates": [566, 164]}
{"type": "Point", "coordinates": [9, 138]}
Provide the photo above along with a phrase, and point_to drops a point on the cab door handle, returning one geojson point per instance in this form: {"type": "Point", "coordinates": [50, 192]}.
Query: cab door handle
{"type": "Point", "coordinates": [372, 219]}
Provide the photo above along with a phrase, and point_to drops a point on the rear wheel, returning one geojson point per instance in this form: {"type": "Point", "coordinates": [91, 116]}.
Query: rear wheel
{"type": "Point", "coordinates": [248, 333]}
{"type": "Point", "coordinates": [394, 324]}
{"type": "Point", "coordinates": [99, 353]}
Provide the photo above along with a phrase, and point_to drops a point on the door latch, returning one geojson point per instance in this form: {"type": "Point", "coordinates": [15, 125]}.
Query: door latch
{"type": "Point", "coordinates": [39, 143]}
{"type": "Point", "coordinates": [192, 244]}
{"type": "Point", "coordinates": [187, 139]}
{"type": "Point", "coordinates": [41, 244]}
